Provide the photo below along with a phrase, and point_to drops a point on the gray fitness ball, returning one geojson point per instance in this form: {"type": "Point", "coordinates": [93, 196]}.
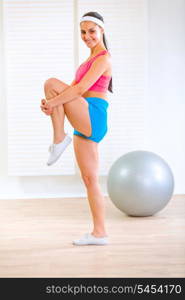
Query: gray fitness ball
{"type": "Point", "coordinates": [140, 183]}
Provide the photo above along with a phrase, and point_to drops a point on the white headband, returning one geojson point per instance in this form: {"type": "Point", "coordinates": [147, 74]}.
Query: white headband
{"type": "Point", "coordinates": [92, 19]}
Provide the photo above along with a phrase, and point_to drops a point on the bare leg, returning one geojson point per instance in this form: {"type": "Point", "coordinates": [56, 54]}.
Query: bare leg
{"type": "Point", "coordinates": [57, 118]}
{"type": "Point", "coordinates": [97, 205]}
{"type": "Point", "coordinates": [87, 158]}
{"type": "Point", "coordinates": [76, 111]}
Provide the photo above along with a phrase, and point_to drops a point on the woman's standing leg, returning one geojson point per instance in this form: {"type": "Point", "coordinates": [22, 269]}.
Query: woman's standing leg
{"type": "Point", "coordinates": [86, 152]}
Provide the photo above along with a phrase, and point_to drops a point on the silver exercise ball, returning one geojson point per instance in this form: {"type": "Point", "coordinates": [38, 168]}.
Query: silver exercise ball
{"type": "Point", "coordinates": [140, 183]}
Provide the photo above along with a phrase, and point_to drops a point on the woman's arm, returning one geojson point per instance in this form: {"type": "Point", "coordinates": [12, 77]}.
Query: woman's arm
{"type": "Point", "coordinates": [48, 110]}
{"type": "Point", "coordinates": [96, 70]}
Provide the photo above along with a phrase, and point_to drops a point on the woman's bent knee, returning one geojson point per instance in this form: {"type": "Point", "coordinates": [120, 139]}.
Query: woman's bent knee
{"type": "Point", "coordinates": [55, 84]}
{"type": "Point", "coordinates": [49, 83]}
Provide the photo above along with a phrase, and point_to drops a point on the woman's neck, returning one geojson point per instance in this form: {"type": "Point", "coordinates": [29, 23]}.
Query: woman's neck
{"type": "Point", "coordinates": [97, 49]}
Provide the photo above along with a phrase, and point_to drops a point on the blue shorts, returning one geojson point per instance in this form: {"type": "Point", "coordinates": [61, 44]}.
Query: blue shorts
{"type": "Point", "coordinates": [98, 116]}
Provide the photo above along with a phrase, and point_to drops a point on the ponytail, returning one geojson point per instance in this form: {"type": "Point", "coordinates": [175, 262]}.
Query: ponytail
{"type": "Point", "coordinates": [110, 83]}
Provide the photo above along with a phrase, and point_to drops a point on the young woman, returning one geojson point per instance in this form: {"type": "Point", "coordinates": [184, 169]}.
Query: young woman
{"type": "Point", "coordinates": [85, 104]}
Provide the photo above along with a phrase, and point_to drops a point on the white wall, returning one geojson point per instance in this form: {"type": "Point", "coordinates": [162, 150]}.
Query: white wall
{"type": "Point", "coordinates": [164, 109]}
{"type": "Point", "coordinates": [165, 92]}
{"type": "Point", "coordinates": [28, 186]}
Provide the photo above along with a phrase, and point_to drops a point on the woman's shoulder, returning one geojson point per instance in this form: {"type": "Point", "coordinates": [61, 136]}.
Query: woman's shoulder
{"type": "Point", "coordinates": [107, 57]}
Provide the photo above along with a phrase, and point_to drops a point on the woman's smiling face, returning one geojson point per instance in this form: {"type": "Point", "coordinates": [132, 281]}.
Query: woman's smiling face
{"type": "Point", "coordinates": [91, 33]}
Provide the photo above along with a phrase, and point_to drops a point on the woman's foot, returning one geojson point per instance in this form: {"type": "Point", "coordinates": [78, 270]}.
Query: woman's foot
{"type": "Point", "coordinates": [99, 234]}
{"type": "Point", "coordinates": [59, 139]}
{"type": "Point", "coordinates": [89, 239]}
{"type": "Point", "coordinates": [56, 149]}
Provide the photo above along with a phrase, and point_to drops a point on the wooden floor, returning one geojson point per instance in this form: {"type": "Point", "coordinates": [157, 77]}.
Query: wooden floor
{"type": "Point", "coordinates": [36, 235]}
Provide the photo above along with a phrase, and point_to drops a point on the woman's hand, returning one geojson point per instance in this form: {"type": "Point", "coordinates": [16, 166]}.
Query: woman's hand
{"type": "Point", "coordinates": [46, 107]}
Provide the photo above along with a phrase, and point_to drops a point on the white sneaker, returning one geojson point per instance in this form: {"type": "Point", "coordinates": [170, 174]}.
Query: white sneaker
{"type": "Point", "coordinates": [89, 239]}
{"type": "Point", "coordinates": [57, 149]}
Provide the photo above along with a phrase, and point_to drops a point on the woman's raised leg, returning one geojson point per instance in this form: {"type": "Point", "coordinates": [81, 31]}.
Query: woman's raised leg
{"type": "Point", "coordinates": [58, 114]}
{"type": "Point", "coordinates": [76, 110]}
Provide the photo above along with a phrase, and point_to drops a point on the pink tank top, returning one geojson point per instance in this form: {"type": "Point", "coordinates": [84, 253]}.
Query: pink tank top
{"type": "Point", "coordinates": [101, 85]}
